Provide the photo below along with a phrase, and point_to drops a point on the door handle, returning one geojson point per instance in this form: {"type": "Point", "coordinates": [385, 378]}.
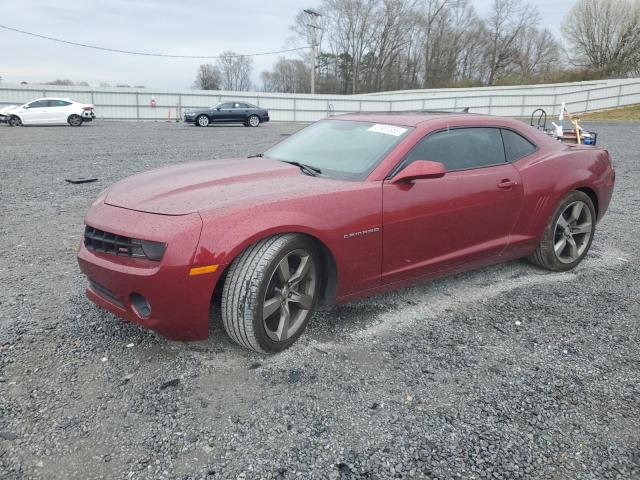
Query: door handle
{"type": "Point", "coordinates": [506, 184]}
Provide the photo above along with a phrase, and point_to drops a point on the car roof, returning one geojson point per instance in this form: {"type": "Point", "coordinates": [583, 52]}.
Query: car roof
{"type": "Point", "coordinates": [406, 119]}
{"type": "Point", "coordinates": [51, 98]}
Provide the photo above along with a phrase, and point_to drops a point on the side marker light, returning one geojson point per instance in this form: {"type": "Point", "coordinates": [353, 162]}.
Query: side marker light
{"type": "Point", "coordinates": [202, 270]}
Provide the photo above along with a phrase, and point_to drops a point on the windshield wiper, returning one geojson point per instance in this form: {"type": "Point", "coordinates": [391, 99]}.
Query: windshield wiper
{"type": "Point", "coordinates": [256, 155]}
{"type": "Point", "coordinates": [308, 169]}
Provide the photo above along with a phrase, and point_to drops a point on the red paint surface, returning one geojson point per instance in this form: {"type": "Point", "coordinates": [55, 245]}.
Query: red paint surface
{"type": "Point", "coordinates": [208, 212]}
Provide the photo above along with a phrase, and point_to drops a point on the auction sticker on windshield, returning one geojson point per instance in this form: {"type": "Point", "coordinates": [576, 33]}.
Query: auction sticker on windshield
{"type": "Point", "coordinates": [387, 129]}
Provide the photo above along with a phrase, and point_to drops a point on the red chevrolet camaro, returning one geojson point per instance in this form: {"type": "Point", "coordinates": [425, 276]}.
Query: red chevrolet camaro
{"type": "Point", "coordinates": [347, 207]}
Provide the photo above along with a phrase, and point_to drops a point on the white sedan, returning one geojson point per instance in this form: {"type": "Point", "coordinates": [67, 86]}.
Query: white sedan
{"type": "Point", "coordinates": [50, 111]}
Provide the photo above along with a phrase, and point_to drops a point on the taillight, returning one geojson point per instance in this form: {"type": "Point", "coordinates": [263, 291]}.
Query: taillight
{"type": "Point", "coordinates": [87, 108]}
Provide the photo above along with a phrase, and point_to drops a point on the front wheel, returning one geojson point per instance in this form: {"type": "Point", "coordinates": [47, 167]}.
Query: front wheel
{"type": "Point", "coordinates": [14, 121]}
{"type": "Point", "coordinates": [75, 120]}
{"type": "Point", "coordinates": [568, 235]}
{"type": "Point", "coordinates": [202, 121]}
{"type": "Point", "coordinates": [271, 292]}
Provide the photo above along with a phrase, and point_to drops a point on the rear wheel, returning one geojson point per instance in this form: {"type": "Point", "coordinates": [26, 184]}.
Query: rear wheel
{"type": "Point", "coordinates": [271, 292]}
{"type": "Point", "coordinates": [202, 121]}
{"type": "Point", "coordinates": [568, 235]}
{"type": "Point", "coordinates": [253, 121]}
{"type": "Point", "coordinates": [75, 120]}
{"type": "Point", "coordinates": [14, 121]}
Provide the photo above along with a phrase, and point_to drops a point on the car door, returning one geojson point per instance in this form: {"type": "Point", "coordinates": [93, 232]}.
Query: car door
{"type": "Point", "coordinates": [432, 225]}
{"type": "Point", "coordinates": [35, 112]}
{"type": "Point", "coordinates": [240, 112]}
{"type": "Point", "coordinates": [223, 113]}
{"type": "Point", "coordinates": [245, 110]}
{"type": "Point", "coordinates": [57, 111]}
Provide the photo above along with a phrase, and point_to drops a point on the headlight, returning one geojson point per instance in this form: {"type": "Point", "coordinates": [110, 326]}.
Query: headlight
{"type": "Point", "coordinates": [152, 250]}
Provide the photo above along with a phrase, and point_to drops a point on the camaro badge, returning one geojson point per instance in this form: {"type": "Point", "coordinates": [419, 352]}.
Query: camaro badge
{"type": "Point", "coordinates": [361, 233]}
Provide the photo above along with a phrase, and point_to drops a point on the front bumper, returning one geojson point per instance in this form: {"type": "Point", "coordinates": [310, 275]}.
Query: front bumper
{"type": "Point", "coordinates": [190, 119]}
{"type": "Point", "coordinates": [179, 303]}
{"type": "Point", "coordinates": [4, 118]}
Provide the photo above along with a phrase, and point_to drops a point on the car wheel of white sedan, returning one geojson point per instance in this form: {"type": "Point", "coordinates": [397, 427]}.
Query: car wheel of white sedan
{"type": "Point", "coordinates": [14, 121]}
{"type": "Point", "coordinates": [202, 121]}
{"type": "Point", "coordinates": [254, 121]}
{"type": "Point", "coordinates": [271, 292]}
{"type": "Point", "coordinates": [568, 235]}
{"type": "Point", "coordinates": [74, 120]}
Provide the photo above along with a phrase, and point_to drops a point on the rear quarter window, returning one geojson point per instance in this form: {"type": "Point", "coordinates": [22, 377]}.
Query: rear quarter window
{"type": "Point", "coordinates": [516, 146]}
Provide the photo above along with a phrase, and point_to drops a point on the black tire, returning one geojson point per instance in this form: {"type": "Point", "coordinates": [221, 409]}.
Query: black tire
{"type": "Point", "coordinates": [75, 120]}
{"type": "Point", "coordinates": [203, 121]}
{"type": "Point", "coordinates": [253, 121]}
{"type": "Point", "coordinates": [14, 121]}
{"type": "Point", "coordinates": [247, 285]}
{"type": "Point", "coordinates": [545, 255]}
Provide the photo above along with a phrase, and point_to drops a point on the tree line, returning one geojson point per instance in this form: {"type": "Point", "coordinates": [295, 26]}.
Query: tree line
{"type": "Point", "coordinates": [377, 45]}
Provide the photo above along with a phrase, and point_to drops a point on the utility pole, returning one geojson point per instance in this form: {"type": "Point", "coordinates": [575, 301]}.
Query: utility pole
{"type": "Point", "coordinates": [313, 18]}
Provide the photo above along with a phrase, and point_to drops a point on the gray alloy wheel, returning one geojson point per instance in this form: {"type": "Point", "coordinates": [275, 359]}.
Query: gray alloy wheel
{"type": "Point", "coordinates": [254, 121]}
{"type": "Point", "coordinates": [75, 120]}
{"type": "Point", "coordinates": [573, 232]}
{"type": "Point", "coordinates": [568, 235]}
{"type": "Point", "coordinates": [270, 292]}
{"type": "Point", "coordinates": [15, 121]}
{"type": "Point", "coordinates": [202, 121]}
{"type": "Point", "coordinates": [289, 295]}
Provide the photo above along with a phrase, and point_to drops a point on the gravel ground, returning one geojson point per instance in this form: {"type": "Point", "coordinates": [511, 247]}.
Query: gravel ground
{"type": "Point", "coordinates": [505, 372]}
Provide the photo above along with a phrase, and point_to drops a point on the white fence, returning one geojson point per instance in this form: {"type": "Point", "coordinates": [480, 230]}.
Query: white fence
{"type": "Point", "coordinates": [135, 104]}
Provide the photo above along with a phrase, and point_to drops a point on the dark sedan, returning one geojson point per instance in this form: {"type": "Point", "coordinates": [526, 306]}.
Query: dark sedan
{"type": "Point", "coordinates": [227, 112]}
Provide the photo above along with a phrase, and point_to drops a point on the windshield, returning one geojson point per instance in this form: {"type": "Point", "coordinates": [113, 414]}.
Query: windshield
{"type": "Point", "coordinates": [340, 148]}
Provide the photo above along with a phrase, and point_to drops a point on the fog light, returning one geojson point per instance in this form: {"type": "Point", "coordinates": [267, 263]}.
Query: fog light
{"type": "Point", "coordinates": [140, 305]}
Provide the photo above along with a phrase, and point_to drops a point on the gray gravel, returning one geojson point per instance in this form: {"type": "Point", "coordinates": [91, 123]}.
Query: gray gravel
{"type": "Point", "coordinates": [505, 372]}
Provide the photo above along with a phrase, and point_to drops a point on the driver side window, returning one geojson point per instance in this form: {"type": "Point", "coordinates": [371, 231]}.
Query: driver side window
{"type": "Point", "coordinates": [38, 104]}
{"type": "Point", "coordinates": [461, 148]}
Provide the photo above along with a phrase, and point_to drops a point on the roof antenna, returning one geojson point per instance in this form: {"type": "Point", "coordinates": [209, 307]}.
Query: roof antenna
{"type": "Point", "coordinates": [465, 110]}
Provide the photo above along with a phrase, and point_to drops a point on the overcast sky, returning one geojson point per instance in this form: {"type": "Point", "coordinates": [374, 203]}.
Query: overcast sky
{"type": "Point", "coordinates": [194, 27]}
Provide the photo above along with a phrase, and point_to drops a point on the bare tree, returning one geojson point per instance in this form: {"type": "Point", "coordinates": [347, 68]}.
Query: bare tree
{"type": "Point", "coordinates": [208, 77]}
{"type": "Point", "coordinates": [538, 53]}
{"type": "Point", "coordinates": [506, 23]}
{"type": "Point", "coordinates": [395, 21]}
{"type": "Point", "coordinates": [374, 45]}
{"type": "Point", "coordinates": [235, 71]}
{"type": "Point", "coordinates": [604, 35]}
{"type": "Point", "coordinates": [64, 82]}
{"type": "Point", "coordinates": [453, 40]}
{"type": "Point", "coordinates": [354, 28]}
{"type": "Point", "coordinates": [287, 76]}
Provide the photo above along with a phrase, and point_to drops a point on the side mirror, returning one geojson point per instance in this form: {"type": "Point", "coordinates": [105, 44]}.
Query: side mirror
{"type": "Point", "coordinates": [218, 108]}
{"type": "Point", "coordinates": [420, 169]}
{"type": "Point", "coordinates": [25, 106]}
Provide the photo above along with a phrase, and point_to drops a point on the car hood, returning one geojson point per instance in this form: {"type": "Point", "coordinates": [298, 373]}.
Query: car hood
{"type": "Point", "coordinates": [9, 108]}
{"type": "Point", "coordinates": [217, 184]}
